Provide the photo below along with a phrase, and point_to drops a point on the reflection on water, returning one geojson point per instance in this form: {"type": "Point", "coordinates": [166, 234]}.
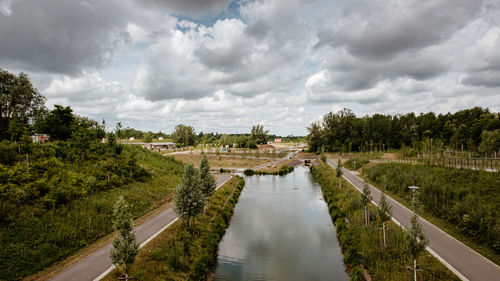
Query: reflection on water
{"type": "Point", "coordinates": [281, 230]}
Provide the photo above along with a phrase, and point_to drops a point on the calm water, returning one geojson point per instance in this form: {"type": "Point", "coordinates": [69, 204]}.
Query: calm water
{"type": "Point", "coordinates": [281, 230]}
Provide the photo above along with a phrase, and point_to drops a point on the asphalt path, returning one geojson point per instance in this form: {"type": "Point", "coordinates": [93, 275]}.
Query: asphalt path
{"type": "Point", "coordinates": [96, 265]}
{"type": "Point", "coordinates": [462, 260]}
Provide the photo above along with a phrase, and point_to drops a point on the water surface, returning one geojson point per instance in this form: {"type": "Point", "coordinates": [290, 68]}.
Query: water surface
{"type": "Point", "coordinates": [280, 230]}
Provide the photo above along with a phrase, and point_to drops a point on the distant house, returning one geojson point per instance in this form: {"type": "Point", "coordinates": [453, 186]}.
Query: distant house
{"type": "Point", "coordinates": [277, 140]}
{"type": "Point", "coordinates": [160, 138]}
{"type": "Point", "coordinates": [131, 138]}
{"type": "Point", "coordinates": [40, 138]}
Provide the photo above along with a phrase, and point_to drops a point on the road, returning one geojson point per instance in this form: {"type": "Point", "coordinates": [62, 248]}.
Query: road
{"type": "Point", "coordinates": [289, 156]}
{"type": "Point", "coordinates": [463, 261]}
{"type": "Point", "coordinates": [95, 265]}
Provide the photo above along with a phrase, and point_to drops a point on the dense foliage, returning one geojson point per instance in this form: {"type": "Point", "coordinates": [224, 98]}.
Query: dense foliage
{"type": "Point", "coordinates": [54, 204]}
{"type": "Point", "coordinates": [184, 135]}
{"type": "Point", "coordinates": [467, 199]}
{"type": "Point", "coordinates": [258, 134]}
{"type": "Point", "coordinates": [465, 129]}
{"type": "Point", "coordinates": [18, 99]}
{"type": "Point", "coordinates": [363, 245]}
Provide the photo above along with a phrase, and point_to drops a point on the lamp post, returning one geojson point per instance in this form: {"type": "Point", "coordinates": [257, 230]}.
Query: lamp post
{"type": "Point", "coordinates": [413, 188]}
{"type": "Point", "coordinates": [354, 162]}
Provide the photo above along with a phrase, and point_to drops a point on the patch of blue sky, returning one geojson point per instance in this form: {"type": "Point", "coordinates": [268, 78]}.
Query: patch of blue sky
{"type": "Point", "coordinates": [209, 19]}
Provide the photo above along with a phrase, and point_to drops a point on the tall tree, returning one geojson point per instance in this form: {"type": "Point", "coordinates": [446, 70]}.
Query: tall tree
{"type": "Point", "coordinates": [315, 136]}
{"type": "Point", "coordinates": [184, 135]}
{"type": "Point", "coordinates": [125, 246]}
{"type": "Point", "coordinates": [207, 181]}
{"type": "Point", "coordinates": [17, 95]}
{"type": "Point", "coordinates": [258, 134]}
{"type": "Point", "coordinates": [189, 199]}
{"type": "Point", "coordinates": [58, 123]}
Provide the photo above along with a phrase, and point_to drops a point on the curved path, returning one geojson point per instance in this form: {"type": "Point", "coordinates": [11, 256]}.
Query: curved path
{"type": "Point", "coordinates": [96, 265]}
{"type": "Point", "coordinates": [462, 260]}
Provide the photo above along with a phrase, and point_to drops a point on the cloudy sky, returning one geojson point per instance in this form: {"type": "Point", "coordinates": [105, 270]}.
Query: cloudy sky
{"type": "Point", "coordinates": [222, 65]}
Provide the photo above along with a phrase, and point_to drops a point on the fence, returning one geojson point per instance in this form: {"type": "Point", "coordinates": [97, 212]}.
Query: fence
{"type": "Point", "coordinates": [487, 164]}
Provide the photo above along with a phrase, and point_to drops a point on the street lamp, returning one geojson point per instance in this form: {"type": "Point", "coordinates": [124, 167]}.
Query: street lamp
{"type": "Point", "coordinates": [354, 161]}
{"type": "Point", "coordinates": [413, 188]}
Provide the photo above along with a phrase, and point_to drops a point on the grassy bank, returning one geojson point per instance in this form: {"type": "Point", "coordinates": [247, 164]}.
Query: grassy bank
{"type": "Point", "coordinates": [361, 245]}
{"type": "Point", "coordinates": [179, 254]}
{"type": "Point", "coordinates": [39, 237]}
{"type": "Point", "coordinates": [462, 202]}
{"type": "Point", "coordinates": [349, 164]}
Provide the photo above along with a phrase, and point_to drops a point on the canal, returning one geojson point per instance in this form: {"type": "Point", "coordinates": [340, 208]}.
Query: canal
{"type": "Point", "coordinates": [281, 230]}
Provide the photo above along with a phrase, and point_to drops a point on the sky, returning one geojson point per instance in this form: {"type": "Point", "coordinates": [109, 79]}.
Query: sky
{"type": "Point", "coordinates": [223, 66]}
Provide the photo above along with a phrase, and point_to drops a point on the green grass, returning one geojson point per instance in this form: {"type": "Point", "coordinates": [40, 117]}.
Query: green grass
{"type": "Point", "coordinates": [349, 164]}
{"type": "Point", "coordinates": [362, 244]}
{"type": "Point", "coordinates": [182, 254]}
{"type": "Point", "coordinates": [40, 238]}
{"type": "Point", "coordinates": [460, 192]}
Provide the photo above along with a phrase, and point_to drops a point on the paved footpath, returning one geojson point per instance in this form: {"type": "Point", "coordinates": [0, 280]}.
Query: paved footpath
{"type": "Point", "coordinates": [96, 265]}
{"type": "Point", "coordinates": [463, 261]}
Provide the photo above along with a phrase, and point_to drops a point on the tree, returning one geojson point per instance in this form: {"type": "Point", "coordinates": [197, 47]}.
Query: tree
{"type": "Point", "coordinates": [416, 241]}
{"type": "Point", "coordinates": [366, 198]}
{"type": "Point", "coordinates": [315, 136]}
{"type": "Point", "coordinates": [58, 123]}
{"type": "Point", "coordinates": [339, 169]}
{"type": "Point", "coordinates": [323, 156]}
{"type": "Point", "coordinates": [16, 128]}
{"type": "Point", "coordinates": [148, 137]}
{"type": "Point", "coordinates": [17, 95]}
{"type": "Point", "coordinates": [189, 199]}
{"type": "Point", "coordinates": [258, 134]}
{"type": "Point", "coordinates": [184, 135]}
{"type": "Point", "coordinates": [125, 247]}
{"type": "Point", "coordinates": [384, 213]}
{"type": "Point", "coordinates": [207, 181]}
{"type": "Point", "coordinates": [490, 141]}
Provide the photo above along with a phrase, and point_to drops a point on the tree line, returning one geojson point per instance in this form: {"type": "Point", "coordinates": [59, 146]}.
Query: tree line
{"type": "Point", "coordinates": [476, 130]}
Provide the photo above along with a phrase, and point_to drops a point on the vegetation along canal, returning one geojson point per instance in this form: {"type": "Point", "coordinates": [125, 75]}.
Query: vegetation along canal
{"type": "Point", "coordinates": [281, 230]}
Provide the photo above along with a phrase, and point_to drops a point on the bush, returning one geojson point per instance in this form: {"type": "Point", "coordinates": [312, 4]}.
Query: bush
{"type": "Point", "coordinates": [249, 172]}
